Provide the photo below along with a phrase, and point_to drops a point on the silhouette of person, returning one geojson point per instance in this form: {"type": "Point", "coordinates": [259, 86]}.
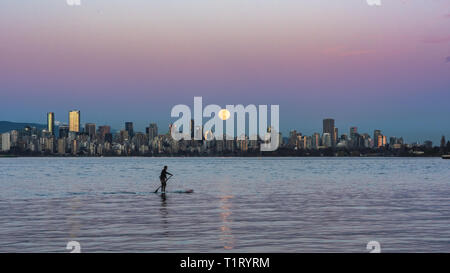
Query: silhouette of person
{"type": "Point", "coordinates": [163, 178]}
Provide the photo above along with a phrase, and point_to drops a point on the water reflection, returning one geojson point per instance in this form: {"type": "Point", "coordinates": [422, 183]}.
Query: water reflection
{"type": "Point", "coordinates": [226, 216]}
{"type": "Point", "coordinates": [73, 218]}
{"type": "Point", "coordinates": [164, 212]}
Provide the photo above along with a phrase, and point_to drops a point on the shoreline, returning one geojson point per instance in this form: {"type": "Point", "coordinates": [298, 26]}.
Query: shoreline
{"type": "Point", "coordinates": [217, 156]}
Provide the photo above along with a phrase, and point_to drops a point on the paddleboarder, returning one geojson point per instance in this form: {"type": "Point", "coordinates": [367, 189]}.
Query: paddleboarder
{"type": "Point", "coordinates": [163, 178]}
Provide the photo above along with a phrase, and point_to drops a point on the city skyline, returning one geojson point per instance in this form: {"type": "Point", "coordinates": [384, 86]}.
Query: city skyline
{"type": "Point", "coordinates": [164, 127]}
{"type": "Point", "coordinates": [75, 140]}
{"type": "Point", "coordinates": [132, 61]}
{"type": "Point", "coordinates": [329, 130]}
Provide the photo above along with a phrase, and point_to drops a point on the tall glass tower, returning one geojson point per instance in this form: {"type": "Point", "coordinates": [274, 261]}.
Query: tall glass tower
{"type": "Point", "coordinates": [74, 121]}
{"type": "Point", "coordinates": [51, 123]}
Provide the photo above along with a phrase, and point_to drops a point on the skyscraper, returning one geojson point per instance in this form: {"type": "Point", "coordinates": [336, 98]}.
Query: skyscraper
{"type": "Point", "coordinates": [89, 128]}
{"type": "Point", "coordinates": [129, 129]}
{"type": "Point", "coordinates": [74, 121]}
{"type": "Point", "coordinates": [152, 131]}
{"type": "Point", "coordinates": [103, 131]}
{"type": "Point", "coordinates": [377, 138]}
{"type": "Point", "coordinates": [328, 128]}
{"type": "Point", "coordinates": [51, 123]}
{"type": "Point", "coordinates": [353, 132]}
{"type": "Point", "coordinates": [63, 131]}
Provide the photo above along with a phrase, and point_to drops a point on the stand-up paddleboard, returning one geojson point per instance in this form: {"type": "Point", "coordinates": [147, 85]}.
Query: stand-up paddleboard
{"type": "Point", "coordinates": [178, 191]}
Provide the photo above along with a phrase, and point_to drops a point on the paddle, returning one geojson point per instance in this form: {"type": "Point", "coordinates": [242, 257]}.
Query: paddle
{"type": "Point", "coordinates": [166, 182]}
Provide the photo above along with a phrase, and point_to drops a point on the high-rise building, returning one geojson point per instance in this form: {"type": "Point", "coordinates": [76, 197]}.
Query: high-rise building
{"type": "Point", "coordinates": [6, 142]}
{"type": "Point", "coordinates": [377, 138]}
{"type": "Point", "coordinates": [74, 121]}
{"type": "Point", "coordinates": [129, 129]}
{"type": "Point", "coordinates": [61, 146]}
{"type": "Point", "coordinates": [103, 130]}
{"type": "Point", "coordinates": [316, 140]}
{"type": "Point", "coordinates": [63, 131]}
{"type": "Point", "coordinates": [51, 123]}
{"type": "Point", "coordinates": [335, 136]}
{"type": "Point", "coordinates": [75, 147]}
{"type": "Point", "coordinates": [443, 142]}
{"type": "Point", "coordinates": [14, 137]}
{"type": "Point", "coordinates": [328, 127]}
{"type": "Point", "coordinates": [353, 132]}
{"type": "Point", "coordinates": [326, 140]}
{"type": "Point", "coordinates": [124, 136]}
{"type": "Point", "coordinates": [89, 128]}
{"type": "Point", "coordinates": [152, 131]}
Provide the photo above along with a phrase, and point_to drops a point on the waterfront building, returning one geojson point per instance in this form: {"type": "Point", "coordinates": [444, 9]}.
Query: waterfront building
{"type": "Point", "coordinates": [428, 144]}
{"type": "Point", "coordinates": [6, 142]}
{"type": "Point", "coordinates": [74, 121]}
{"type": "Point", "coordinates": [89, 129]}
{"type": "Point", "coordinates": [353, 131]}
{"type": "Point", "coordinates": [335, 136]}
{"type": "Point", "coordinates": [329, 128]}
{"type": "Point", "coordinates": [129, 129]}
{"type": "Point", "coordinates": [326, 140]}
{"type": "Point", "coordinates": [123, 136]}
{"type": "Point", "coordinates": [152, 131]}
{"type": "Point", "coordinates": [61, 146]}
{"type": "Point", "coordinates": [14, 138]}
{"type": "Point", "coordinates": [103, 131]}
{"type": "Point", "coordinates": [63, 131]}
{"type": "Point", "coordinates": [377, 138]}
{"type": "Point", "coordinates": [316, 140]}
{"type": "Point", "coordinates": [51, 123]}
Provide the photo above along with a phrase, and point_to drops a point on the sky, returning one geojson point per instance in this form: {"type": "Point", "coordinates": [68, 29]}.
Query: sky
{"type": "Point", "coordinates": [375, 67]}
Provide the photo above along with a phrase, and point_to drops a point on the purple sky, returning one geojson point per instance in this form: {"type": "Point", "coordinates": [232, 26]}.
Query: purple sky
{"type": "Point", "coordinates": [381, 67]}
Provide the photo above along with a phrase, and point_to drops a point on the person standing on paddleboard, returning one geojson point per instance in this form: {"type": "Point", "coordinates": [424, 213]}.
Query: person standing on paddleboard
{"type": "Point", "coordinates": [163, 178]}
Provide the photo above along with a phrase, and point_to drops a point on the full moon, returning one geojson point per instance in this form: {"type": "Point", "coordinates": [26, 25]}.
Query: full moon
{"type": "Point", "coordinates": [224, 114]}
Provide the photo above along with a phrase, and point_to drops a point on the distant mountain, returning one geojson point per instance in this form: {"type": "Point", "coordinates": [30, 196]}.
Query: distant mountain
{"type": "Point", "coordinates": [6, 126]}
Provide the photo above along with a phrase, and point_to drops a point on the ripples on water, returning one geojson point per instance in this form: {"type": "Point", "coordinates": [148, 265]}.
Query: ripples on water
{"type": "Point", "coordinates": [239, 204]}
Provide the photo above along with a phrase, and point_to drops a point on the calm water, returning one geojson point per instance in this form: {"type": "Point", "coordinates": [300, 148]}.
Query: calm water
{"type": "Point", "coordinates": [239, 204]}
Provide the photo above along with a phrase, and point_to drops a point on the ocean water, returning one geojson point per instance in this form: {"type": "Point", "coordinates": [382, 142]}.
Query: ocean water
{"type": "Point", "coordinates": [238, 204]}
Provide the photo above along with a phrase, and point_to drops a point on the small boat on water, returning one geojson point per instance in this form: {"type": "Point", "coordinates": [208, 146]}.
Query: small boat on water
{"type": "Point", "coordinates": [445, 156]}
